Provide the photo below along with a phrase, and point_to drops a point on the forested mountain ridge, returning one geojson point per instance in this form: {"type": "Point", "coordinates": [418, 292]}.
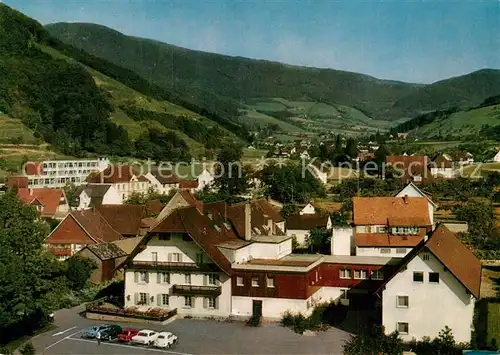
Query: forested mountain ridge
{"type": "Point", "coordinates": [232, 82]}
{"type": "Point", "coordinates": [79, 110]}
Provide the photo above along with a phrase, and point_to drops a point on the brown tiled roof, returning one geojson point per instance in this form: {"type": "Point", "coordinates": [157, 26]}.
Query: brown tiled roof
{"type": "Point", "coordinates": [410, 166]}
{"type": "Point", "coordinates": [392, 211]}
{"type": "Point", "coordinates": [166, 177]}
{"type": "Point", "coordinates": [106, 251]}
{"type": "Point", "coordinates": [386, 240]}
{"type": "Point", "coordinates": [188, 184]}
{"type": "Point", "coordinates": [112, 174]}
{"type": "Point", "coordinates": [96, 226]}
{"type": "Point", "coordinates": [128, 244]}
{"type": "Point", "coordinates": [18, 182]}
{"type": "Point", "coordinates": [49, 198]}
{"type": "Point", "coordinates": [268, 209]}
{"type": "Point", "coordinates": [448, 249]}
{"type": "Point", "coordinates": [307, 221]}
{"type": "Point", "coordinates": [154, 207]}
{"type": "Point", "coordinates": [148, 222]}
{"type": "Point", "coordinates": [170, 224]}
{"type": "Point", "coordinates": [69, 231]}
{"type": "Point", "coordinates": [188, 196]}
{"type": "Point", "coordinates": [125, 219]}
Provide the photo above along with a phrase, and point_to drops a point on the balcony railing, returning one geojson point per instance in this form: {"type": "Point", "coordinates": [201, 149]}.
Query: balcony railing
{"type": "Point", "coordinates": [172, 265]}
{"type": "Point", "coordinates": [197, 290]}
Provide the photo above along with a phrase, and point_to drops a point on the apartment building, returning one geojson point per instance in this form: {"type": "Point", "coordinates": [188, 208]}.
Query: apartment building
{"type": "Point", "coordinates": [123, 179]}
{"type": "Point", "coordinates": [58, 173]}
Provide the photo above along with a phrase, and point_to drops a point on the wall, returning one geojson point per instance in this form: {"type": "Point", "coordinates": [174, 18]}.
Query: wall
{"type": "Point", "coordinates": [263, 251]}
{"type": "Point", "coordinates": [367, 251]}
{"type": "Point", "coordinates": [272, 308]}
{"type": "Point", "coordinates": [299, 234]}
{"type": "Point", "coordinates": [341, 241]}
{"type": "Point", "coordinates": [112, 197]}
{"type": "Point", "coordinates": [286, 285]}
{"type": "Point", "coordinates": [309, 209]}
{"type": "Point", "coordinates": [176, 244]}
{"type": "Point", "coordinates": [84, 201]}
{"type": "Point", "coordinates": [204, 179]}
{"type": "Point", "coordinates": [96, 276]}
{"type": "Point", "coordinates": [432, 306]}
{"type": "Point", "coordinates": [330, 276]}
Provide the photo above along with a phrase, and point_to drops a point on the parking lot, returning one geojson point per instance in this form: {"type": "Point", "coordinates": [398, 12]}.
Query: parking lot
{"type": "Point", "coordinates": [195, 337]}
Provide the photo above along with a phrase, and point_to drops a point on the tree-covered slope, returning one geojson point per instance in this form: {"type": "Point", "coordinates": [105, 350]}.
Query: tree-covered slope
{"type": "Point", "coordinates": [204, 77]}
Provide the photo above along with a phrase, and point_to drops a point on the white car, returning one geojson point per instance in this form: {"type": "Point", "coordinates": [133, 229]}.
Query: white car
{"type": "Point", "coordinates": [145, 337]}
{"type": "Point", "coordinates": [165, 340]}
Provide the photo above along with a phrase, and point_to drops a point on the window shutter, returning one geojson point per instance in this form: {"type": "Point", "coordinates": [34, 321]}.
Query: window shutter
{"type": "Point", "coordinates": [205, 280]}
{"type": "Point", "coordinates": [158, 277]}
{"type": "Point", "coordinates": [147, 277]}
{"type": "Point", "coordinates": [158, 299]}
{"type": "Point", "coordinates": [205, 302]}
{"type": "Point", "coordinates": [136, 298]}
{"type": "Point", "coordinates": [136, 277]}
{"type": "Point", "coordinates": [193, 299]}
{"type": "Point", "coordinates": [148, 300]}
{"type": "Point", "coordinates": [216, 302]}
{"type": "Point", "coordinates": [180, 257]}
{"type": "Point", "coordinates": [169, 257]}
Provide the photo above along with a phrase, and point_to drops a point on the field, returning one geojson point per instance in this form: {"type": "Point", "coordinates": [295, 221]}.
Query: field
{"type": "Point", "coordinates": [462, 123]}
{"type": "Point", "coordinates": [12, 130]}
{"type": "Point", "coordinates": [479, 169]}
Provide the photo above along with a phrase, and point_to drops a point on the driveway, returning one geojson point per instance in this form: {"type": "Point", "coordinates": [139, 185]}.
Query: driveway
{"type": "Point", "coordinates": [196, 337]}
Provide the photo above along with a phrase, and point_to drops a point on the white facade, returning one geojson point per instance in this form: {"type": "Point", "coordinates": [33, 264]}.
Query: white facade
{"type": "Point", "coordinates": [308, 209]}
{"type": "Point", "coordinates": [164, 189]}
{"type": "Point", "coordinates": [126, 189]}
{"type": "Point", "coordinates": [204, 179]}
{"type": "Point", "coordinates": [57, 173]}
{"type": "Point", "coordinates": [429, 306]}
{"type": "Point", "coordinates": [447, 173]}
{"type": "Point", "coordinates": [496, 158]}
{"type": "Point", "coordinates": [395, 252]}
{"type": "Point", "coordinates": [258, 251]}
{"type": "Point", "coordinates": [411, 190]}
{"type": "Point", "coordinates": [341, 241]}
{"type": "Point", "coordinates": [157, 284]}
{"type": "Point", "coordinates": [111, 197]}
{"type": "Point", "coordinates": [300, 235]}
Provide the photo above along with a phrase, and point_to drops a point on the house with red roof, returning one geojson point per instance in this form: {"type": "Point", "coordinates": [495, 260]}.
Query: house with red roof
{"type": "Point", "coordinates": [49, 202]}
{"type": "Point", "coordinates": [434, 286]}
{"type": "Point", "coordinates": [123, 179]}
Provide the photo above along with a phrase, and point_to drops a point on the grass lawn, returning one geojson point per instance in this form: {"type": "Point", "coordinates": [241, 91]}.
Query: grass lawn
{"type": "Point", "coordinates": [477, 170]}
{"type": "Point", "coordinates": [13, 128]}
{"type": "Point", "coordinates": [493, 323]}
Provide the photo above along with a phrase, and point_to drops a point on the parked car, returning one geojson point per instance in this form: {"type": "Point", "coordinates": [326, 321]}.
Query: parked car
{"type": "Point", "coordinates": [127, 334]}
{"type": "Point", "coordinates": [92, 331]}
{"type": "Point", "coordinates": [145, 337]}
{"type": "Point", "coordinates": [111, 332]}
{"type": "Point", "coordinates": [165, 340]}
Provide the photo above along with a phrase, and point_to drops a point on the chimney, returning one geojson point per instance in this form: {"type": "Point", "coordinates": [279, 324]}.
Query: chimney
{"type": "Point", "coordinates": [31, 192]}
{"type": "Point", "coordinates": [270, 226]}
{"type": "Point", "coordinates": [248, 222]}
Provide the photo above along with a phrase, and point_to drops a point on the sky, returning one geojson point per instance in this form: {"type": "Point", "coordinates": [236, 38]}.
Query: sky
{"type": "Point", "coordinates": [413, 41]}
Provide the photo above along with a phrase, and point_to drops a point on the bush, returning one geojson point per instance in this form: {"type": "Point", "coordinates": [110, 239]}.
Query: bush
{"type": "Point", "coordinates": [322, 316]}
{"type": "Point", "coordinates": [254, 321]}
{"type": "Point", "coordinates": [28, 349]}
{"type": "Point", "coordinates": [288, 319]}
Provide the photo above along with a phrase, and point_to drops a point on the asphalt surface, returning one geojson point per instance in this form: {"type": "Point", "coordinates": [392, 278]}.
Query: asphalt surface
{"type": "Point", "coordinates": [196, 337]}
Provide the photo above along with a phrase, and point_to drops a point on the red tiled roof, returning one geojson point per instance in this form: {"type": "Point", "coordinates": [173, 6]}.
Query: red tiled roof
{"type": "Point", "coordinates": [125, 219]}
{"type": "Point", "coordinates": [188, 184]}
{"type": "Point", "coordinates": [409, 166]}
{"type": "Point", "coordinates": [154, 207]}
{"type": "Point", "coordinates": [450, 251]}
{"type": "Point", "coordinates": [190, 199]}
{"type": "Point", "coordinates": [307, 221]}
{"type": "Point", "coordinates": [20, 182]}
{"type": "Point", "coordinates": [49, 198]}
{"type": "Point", "coordinates": [170, 224]}
{"type": "Point", "coordinates": [96, 226]}
{"type": "Point", "coordinates": [112, 174]}
{"type": "Point", "coordinates": [268, 209]}
{"type": "Point", "coordinates": [69, 231]}
{"type": "Point", "coordinates": [33, 168]}
{"type": "Point", "coordinates": [386, 240]}
{"type": "Point", "coordinates": [392, 211]}
{"type": "Point", "coordinates": [166, 177]}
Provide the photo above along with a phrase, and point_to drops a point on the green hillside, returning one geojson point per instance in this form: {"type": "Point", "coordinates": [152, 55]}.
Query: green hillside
{"type": "Point", "coordinates": [227, 83]}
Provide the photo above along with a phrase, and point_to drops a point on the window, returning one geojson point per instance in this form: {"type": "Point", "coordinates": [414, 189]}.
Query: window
{"type": "Point", "coordinates": [360, 274]}
{"type": "Point", "coordinates": [403, 301]}
{"type": "Point", "coordinates": [211, 302]}
{"type": "Point", "coordinates": [164, 299]}
{"type": "Point", "coordinates": [385, 250]}
{"type": "Point", "coordinates": [381, 229]}
{"type": "Point", "coordinates": [255, 282]}
{"type": "Point", "coordinates": [199, 258]}
{"type": "Point", "coordinates": [403, 328]}
{"type": "Point", "coordinates": [270, 281]}
{"type": "Point", "coordinates": [143, 298]}
{"type": "Point", "coordinates": [377, 275]}
{"type": "Point", "coordinates": [239, 281]}
{"type": "Point", "coordinates": [434, 277]}
{"type": "Point", "coordinates": [143, 276]}
{"type": "Point", "coordinates": [418, 276]}
{"type": "Point", "coordinates": [187, 278]}
{"type": "Point", "coordinates": [164, 236]}
{"type": "Point", "coordinates": [400, 250]}
{"type": "Point", "coordinates": [345, 274]}
{"type": "Point", "coordinates": [165, 277]}
{"type": "Point", "coordinates": [425, 257]}
{"type": "Point", "coordinates": [212, 279]}
{"type": "Point", "coordinates": [177, 257]}
{"type": "Point", "coordinates": [188, 301]}
{"type": "Point", "coordinates": [154, 257]}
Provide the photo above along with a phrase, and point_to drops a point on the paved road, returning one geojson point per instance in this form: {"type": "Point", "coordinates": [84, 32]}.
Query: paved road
{"type": "Point", "coordinates": [196, 337]}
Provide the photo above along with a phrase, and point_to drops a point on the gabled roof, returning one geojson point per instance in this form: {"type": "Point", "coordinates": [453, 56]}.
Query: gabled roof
{"type": "Point", "coordinates": [268, 209]}
{"type": "Point", "coordinates": [18, 182]}
{"type": "Point", "coordinates": [154, 207]}
{"type": "Point", "coordinates": [95, 226]}
{"type": "Point", "coordinates": [125, 219]}
{"type": "Point", "coordinates": [391, 211]}
{"type": "Point", "coordinates": [420, 192]}
{"type": "Point", "coordinates": [188, 184]}
{"type": "Point", "coordinates": [95, 192]}
{"type": "Point", "coordinates": [165, 176]}
{"type": "Point", "coordinates": [190, 199]}
{"type": "Point", "coordinates": [112, 174]}
{"type": "Point", "coordinates": [307, 221]}
{"type": "Point", "coordinates": [106, 251]}
{"type": "Point", "coordinates": [386, 240]}
{"type": "Point", "coordinates": [453, 254]}
{"type": "Point", "coordinates": [49, 198]}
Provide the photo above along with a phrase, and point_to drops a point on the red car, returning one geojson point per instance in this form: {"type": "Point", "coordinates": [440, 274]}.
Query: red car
{"type": "Point", "coordinates": [126, 335]}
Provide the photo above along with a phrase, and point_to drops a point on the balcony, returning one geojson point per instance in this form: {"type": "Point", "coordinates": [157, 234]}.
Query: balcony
{"type": "Point", "coordinates": [197, 290]}
{"type": "Point", "coordinates": [173, 266]}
